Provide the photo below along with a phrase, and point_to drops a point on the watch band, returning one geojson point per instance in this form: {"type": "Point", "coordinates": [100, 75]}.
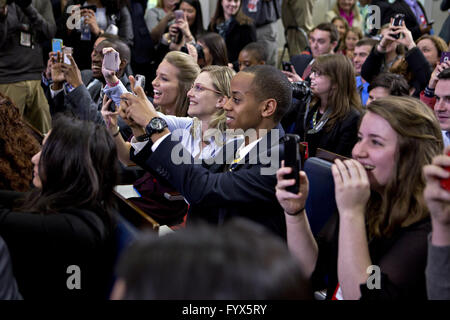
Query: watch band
{"type": "Point", "coordinates": [142, 138]}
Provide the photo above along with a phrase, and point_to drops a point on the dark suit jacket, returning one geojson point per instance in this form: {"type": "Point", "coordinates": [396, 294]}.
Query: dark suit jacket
{"type": "Point", "coordinates": [216, 194]}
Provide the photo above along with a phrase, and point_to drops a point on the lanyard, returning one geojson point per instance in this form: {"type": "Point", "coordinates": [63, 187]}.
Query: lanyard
{"type": "Point", "coordinates": [316, 126]}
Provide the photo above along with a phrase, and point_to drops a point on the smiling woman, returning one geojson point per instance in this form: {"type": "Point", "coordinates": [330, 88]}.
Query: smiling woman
{"type": "Point", "coordinates": [383, 220]}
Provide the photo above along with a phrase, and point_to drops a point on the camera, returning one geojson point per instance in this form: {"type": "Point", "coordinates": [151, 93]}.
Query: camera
{"type": "Point", "coordinates": [199, 48]}
{"type": "Point", "coordinates": [301, 90]}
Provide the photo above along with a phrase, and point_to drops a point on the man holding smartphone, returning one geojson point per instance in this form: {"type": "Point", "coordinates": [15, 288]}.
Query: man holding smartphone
{"type": "Point", "coordinates": [24, 25]}
{"type": "Point", "coordinates": [220, 190]}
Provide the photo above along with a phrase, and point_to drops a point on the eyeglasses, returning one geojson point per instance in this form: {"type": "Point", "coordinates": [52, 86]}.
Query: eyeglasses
{"type": "Point", "coordinates": [199, 88]}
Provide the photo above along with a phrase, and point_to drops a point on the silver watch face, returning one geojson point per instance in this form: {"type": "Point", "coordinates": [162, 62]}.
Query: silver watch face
{"type": "Point", "coordinates": [157, 124]}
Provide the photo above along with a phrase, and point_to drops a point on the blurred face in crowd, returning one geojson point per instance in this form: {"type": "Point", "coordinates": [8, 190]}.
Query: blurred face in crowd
{"type": "Point", "coordinates": [377, 93]}
{"type": "Point", "coordinates": [208, 57]}
{"type": "Point", "coordinates": [169, 5]}
{"type": "Point", "coordinates": [376, 149]}
{"type": "Point", "coordinates": [350, 40]}
{"type": "Point", "coordinates": [242, 109]}
{"type": "Point", "coordinates": [97, 59]}
{"type": "Point", "coordinates": [165, 85]}
{"type": "Point", "coordinates": [203, 97]}
{"type": "Point", "coordinates": [442, 106]}
{"type": "Point", "coordinates": [189, 12]}
{"type": "Point", "coordinates": [340, 26]}
{"type": "Point", "coordinates": [320, 42]}
{"type": "Point", "coordinates": [246, 59]}
{"type": "Point", "coordinates": [320, 84]}
{"type": "Point", "coordinates": [430, 51]}
{"type": "Point", "coordinates": [346, 5]}
{"type": "Point", "coordinates": [230, 7]}
{"type": "Point", "coordinates": [359, 56]}
{"type": "Point", "coordinates": [35, 160]}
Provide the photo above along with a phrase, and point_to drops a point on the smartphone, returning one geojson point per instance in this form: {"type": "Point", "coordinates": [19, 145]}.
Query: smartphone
{"type": "Point", "coordinates": [397, 22]}
{"type": "Point", "coordinates": [66, 52]}
{"type": "Point", "coordinates": [287, 66]}
{"type": "Point", "coordinates": [292, 159]}
{"type": "Point", "coordinates": [140, 81]}
{"type": "Point", "coordinates": [89, 7]}
{"type": "Point", "coordinates": [111, 61]}
{"type": "Point", "coordinates": [57, 45]}
{"type": "Point", "coordinates": [179, 14]}
{"type": "Point", "coordinates": [445, 56]}
{"type": "Point", "coordinates": [445, 183]}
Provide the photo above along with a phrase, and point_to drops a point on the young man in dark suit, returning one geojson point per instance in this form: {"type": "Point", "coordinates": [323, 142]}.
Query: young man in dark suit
{"type": "Point", "coordinates": [242, 187]}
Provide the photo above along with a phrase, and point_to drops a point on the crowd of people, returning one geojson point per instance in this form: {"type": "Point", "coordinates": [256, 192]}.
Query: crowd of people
{"type": "Point", "coordinates": [204, 111]}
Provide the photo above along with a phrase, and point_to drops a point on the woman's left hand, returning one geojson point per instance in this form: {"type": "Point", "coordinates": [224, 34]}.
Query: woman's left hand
{"type": "Point", "coordinates": [352, 187]}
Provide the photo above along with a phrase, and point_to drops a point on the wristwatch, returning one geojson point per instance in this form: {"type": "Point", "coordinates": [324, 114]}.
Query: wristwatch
{"type": "Point", "coordinates": [156, 125]}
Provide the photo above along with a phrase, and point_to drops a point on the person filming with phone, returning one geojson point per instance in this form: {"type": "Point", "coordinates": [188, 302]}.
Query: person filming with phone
{"type": "Point", "coordinates": [375, 248]}
{"type": "Point", "coordinates": [413, 65]}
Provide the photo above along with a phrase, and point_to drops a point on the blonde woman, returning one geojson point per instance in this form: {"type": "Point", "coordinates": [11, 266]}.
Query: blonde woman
{"type": "Point", "coordinates": [347, 9]}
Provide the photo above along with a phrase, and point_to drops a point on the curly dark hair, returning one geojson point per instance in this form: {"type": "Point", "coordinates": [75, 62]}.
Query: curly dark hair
{"type": "Point", "coordinates": [17, 147]}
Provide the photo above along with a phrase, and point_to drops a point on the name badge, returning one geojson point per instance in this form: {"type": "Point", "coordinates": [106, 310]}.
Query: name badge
{"type": "Point", "coordinates": [25, 39]}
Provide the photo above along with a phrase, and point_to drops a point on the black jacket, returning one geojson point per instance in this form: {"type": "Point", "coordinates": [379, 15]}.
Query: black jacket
{"type": "Point", "coordinates": [340, 139]}
{"type": "Point", "coordinates": [43, 247]}
{"type": "Point", "coordinates": [237, 37]}
{"type": "Point", "coordinates": [216, 194]}
{"type": "Point", "coordinates": [417, 64]}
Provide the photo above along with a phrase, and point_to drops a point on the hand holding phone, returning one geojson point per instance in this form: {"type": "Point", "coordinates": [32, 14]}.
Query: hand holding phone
{"type": "Point", "coordinates": [179, 14]}
{"type": "Point", "coordinates": [445, 57]}
{"type": "Point", "coordinates": [140, 81]}
{"type": "Point", "coordinates": [57, 45]}
{"type": "Point", "coordinates": [111, 61]}
{"type": "Point", "coordinates": [287, 66]}
{"type": "Point", "coordinates": [445, 183]}
{"type": "Point", "coordinates": [66, 52]}
{"type": "Point", "coordinates": [292, 159]}
{"type": "Point", "coordinates": [397, 22]}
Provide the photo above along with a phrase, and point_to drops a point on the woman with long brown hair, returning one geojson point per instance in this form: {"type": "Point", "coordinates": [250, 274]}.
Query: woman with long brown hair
{"type": "Point", "coordinates": [383, 221]}
{"type": "Point", "coordinates": [330, 121]}
{"type": "Point", "coordinates": [234, 26]}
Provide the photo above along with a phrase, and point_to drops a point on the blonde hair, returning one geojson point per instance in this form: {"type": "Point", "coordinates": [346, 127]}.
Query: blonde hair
{"type": "Point", "coordinates": [221, 79]}
{"type": "Point", "coordinates": [419, 140]}
{"type": "Point", "coordinates": [355, 10]}
{"type": "Point", "coordinates": [188, 70]}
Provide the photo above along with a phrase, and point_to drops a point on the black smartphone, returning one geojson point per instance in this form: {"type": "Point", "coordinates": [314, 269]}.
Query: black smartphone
{"type": "Point", "coordinates": [287, 66]}
{"type": "Point", "coordinates": [292, 159]}
{"type": "Point", "coordinates": [397, 22]}
{"type": "Point", "coordinates": [89, 7]}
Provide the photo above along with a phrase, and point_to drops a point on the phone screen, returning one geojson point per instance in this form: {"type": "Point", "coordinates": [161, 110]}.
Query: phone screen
{"type": "Point", "coordinates": [57, 45]}
{"type": "Point", "coordinates": [445, 56]}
